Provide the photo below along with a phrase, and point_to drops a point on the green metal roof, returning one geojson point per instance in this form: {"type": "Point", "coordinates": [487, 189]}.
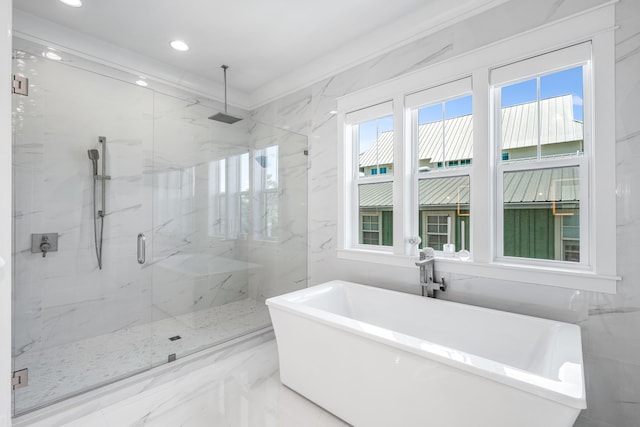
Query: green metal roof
{"type": "Point", "coordinates": [542, 186]}
{"type": "Point", "coordinates": [519, 129]}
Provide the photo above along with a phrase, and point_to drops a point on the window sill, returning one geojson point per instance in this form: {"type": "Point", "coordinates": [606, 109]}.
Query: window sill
{"type": "Point", "coordinates": [546, 276]}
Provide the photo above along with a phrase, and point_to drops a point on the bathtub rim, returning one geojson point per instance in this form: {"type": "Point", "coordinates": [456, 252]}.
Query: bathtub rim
{"type": "Point", "coordinates": [568, 392]}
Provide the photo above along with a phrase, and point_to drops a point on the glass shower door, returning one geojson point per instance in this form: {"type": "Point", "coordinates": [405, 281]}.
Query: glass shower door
{"type": "Point", "coordinates": [201, 197]}
{"type": "Point", "coordinates": [230, 224]}
{"type": "Point", "coordinates": [77, 326]}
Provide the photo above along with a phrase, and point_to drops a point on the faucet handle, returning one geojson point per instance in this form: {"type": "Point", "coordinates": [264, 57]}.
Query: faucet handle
{"type": "Point", "coordinates": [45, 246]}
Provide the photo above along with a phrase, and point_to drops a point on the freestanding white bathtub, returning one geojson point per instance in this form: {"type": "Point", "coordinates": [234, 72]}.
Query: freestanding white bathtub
{"type": "Point", "coordinates": [375, 357]}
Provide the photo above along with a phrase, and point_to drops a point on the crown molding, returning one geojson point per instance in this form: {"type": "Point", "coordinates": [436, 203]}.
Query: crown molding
{"type": "Point", "coordinates": [433, 17]}
{"type": "Point", "coordinates": [47, 33]}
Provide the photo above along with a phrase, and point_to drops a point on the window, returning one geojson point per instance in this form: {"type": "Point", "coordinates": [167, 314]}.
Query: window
{"type": "Point", "coordinates": [443, 129]}
{"type": "Point", "coordinates": [229, 197]}
{"type": "Point", "coordinates": [217, 197]}
{"type": "Point", "coordinates": [541, 141]}
{"type": "Point", "coordinates": [514, 135]}
{"type": "Point", "coordinates": [570, 235]}
{"type": "Point", "coordinates": [266, 187]}
{"type": "Point", "coordinates": [370, 229]}
{"type": "Point", "coordinates": [376, 201]}
{"type": "Point", "coordinates": [437, 230]}
{"type": "Point", "coordinates": [372, 148]}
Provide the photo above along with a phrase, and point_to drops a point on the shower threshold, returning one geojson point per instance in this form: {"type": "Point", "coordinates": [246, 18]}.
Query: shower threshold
{"type": "Point", "coordinates": [64, 371]}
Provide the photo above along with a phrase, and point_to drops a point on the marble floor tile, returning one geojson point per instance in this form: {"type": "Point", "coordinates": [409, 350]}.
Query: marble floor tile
{"type": "Point", "coordinates": [242, 390]}
{"type": "Point", "coordinates": [65, 370]}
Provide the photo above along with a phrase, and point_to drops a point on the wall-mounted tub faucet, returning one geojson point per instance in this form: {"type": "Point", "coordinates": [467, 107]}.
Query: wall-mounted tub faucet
{"type": "Point", "coordinates": [427, 276]}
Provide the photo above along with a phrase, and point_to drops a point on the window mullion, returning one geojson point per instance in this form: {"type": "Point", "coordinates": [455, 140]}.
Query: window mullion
{"type": "Point", "coordinates": [411, 187]}
{"type": "Point", "coordinates": [401, 180]}
{"type": "Point", "coordinates": [481, 195]}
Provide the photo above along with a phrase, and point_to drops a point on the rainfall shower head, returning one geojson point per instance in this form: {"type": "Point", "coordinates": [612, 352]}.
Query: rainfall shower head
{"type": "Point", "coordinates": [94, 155]}
{"type": "Point", "coordinates": [224, 117]}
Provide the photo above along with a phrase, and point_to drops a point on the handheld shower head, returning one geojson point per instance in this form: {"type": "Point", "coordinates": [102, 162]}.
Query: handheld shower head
{"type": "Point", "coordinates": [94, 155]}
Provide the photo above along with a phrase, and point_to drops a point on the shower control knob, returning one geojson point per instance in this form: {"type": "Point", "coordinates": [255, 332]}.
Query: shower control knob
{"type": "Point", "coordinates": [45, 246]}
{"type": "Point", "coordinates": [44, 243]}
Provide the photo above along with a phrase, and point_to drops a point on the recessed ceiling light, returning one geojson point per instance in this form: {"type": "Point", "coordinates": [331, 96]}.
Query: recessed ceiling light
{"type": "Point", "coordinates": [72, 3]}
{"type": "Point", "coordinates": [179, 45]}
{"type": "Point", "coordinates": [142, 83]}
{"type": "Point", "coordinates": [52, 55]}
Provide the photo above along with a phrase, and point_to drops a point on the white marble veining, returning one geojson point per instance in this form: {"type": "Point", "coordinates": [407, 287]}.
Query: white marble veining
{"type": "Point", "coordinates": [64, 370]}
{"type": "Point", "coordinates": [609, 323]}
{"type": "Point", "coordinates": [242, 389]}
{"type": "Point", "coordinates": [160, 150]}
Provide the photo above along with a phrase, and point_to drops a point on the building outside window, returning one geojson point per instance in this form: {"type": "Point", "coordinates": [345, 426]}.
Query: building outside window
{"type": "Point", "coordinates": [373, 141]}
{"type": "Point", "coordinates": [522, 163]}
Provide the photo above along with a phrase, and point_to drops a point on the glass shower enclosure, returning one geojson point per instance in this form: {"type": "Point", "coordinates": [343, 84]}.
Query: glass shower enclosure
{"type": "Point", "coordinates": [202, 222]}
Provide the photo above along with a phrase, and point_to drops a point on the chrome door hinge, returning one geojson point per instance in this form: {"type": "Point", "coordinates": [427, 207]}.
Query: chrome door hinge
{"type": "Point", "coordinates": [20, 379]}
{"type": "Point", "coordinates": [20, 85]}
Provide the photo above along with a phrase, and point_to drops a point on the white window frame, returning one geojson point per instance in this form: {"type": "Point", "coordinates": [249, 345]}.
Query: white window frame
{"type": "Point", "coordinates": [596, 26]}
{"type": "Point", "coordinates": [261, 218]}
{"type": "Point", "coordinates": [352, 120]}
{"type": "Point", "coordinates": [413, 102]}
{"type": "Point", "coordinates": [559, 60]}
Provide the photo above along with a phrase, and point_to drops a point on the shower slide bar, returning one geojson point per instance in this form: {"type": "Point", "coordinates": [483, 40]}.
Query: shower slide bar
{"type": "Point", "coordinates": [94, 155]}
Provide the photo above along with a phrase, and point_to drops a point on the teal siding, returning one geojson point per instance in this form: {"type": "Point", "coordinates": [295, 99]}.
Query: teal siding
{"type": "Point", "coordinates": [387, 228]}
{"type": "Point", "coordinates": [529, 233]}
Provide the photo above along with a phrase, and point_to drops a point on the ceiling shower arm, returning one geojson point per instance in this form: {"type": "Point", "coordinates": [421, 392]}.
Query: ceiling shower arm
{"type": "Point", "coordinates": [224, 68]}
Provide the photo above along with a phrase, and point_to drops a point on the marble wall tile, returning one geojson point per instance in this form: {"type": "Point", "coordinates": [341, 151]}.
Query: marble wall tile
{"type": "Point", "coordinates": [280, 256]}
{"type": "Point", "coordinates": [160, 148]}
{"type": "Point", "coordinates": [53, 193]}
{"type": "Point", "coordinates": [608, 322]}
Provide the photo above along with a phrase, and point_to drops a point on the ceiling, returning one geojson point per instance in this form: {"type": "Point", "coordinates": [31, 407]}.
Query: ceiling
{"type": "Point", "coordinates": [270, 45]}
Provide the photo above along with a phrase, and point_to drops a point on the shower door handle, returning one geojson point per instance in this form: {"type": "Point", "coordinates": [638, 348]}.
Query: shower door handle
{"type": "Point", "coordinates": [141, 248]}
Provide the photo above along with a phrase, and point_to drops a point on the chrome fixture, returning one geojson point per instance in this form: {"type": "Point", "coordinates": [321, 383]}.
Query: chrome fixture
{"type": "Point", "coordinates": [141, 248]}
{"type": "Point", "coordinates": [225, 117]}
{"type": "Point", "coordinates": [94, 155]}
{"type": "Point", "coordinates": [427, 282]}
{"type": "Point", "coordinates": [44, 243]}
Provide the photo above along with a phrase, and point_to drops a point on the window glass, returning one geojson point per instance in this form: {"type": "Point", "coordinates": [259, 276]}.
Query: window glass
{"type": "Point", "coordinates": [216, 198]}
{"type": "Point", "coordinates": [444, 212]}
{"type": "Point", "coordinates": [542, 214]}
{"type": "Point", "coordinates": [244, 172]}
{"type": "Point", "coordinates": [375, 204]}
{"type": "Point", "coordinates": [265, 179]}
{"type": "Point", "coordinates": [561, 113]}
{"type": "Point", "coordinates": [543, 116]}
{"type": "Point", "coordinates": [270, 214]}
{"type": "Point", "coordinates": [571, 238]}
{"type": "Point", "coordinates": [375, 145]}
{"type": "Point", "coordinates": [370, 229]}
{"type": "Point", "coordinates": [445, 134]}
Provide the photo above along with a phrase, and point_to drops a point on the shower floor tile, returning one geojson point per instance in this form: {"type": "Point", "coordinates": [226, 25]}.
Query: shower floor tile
{"type": "Point", "coordinates": [242, 390]}
{"type": "Point", "coordinates": [65, 370]}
